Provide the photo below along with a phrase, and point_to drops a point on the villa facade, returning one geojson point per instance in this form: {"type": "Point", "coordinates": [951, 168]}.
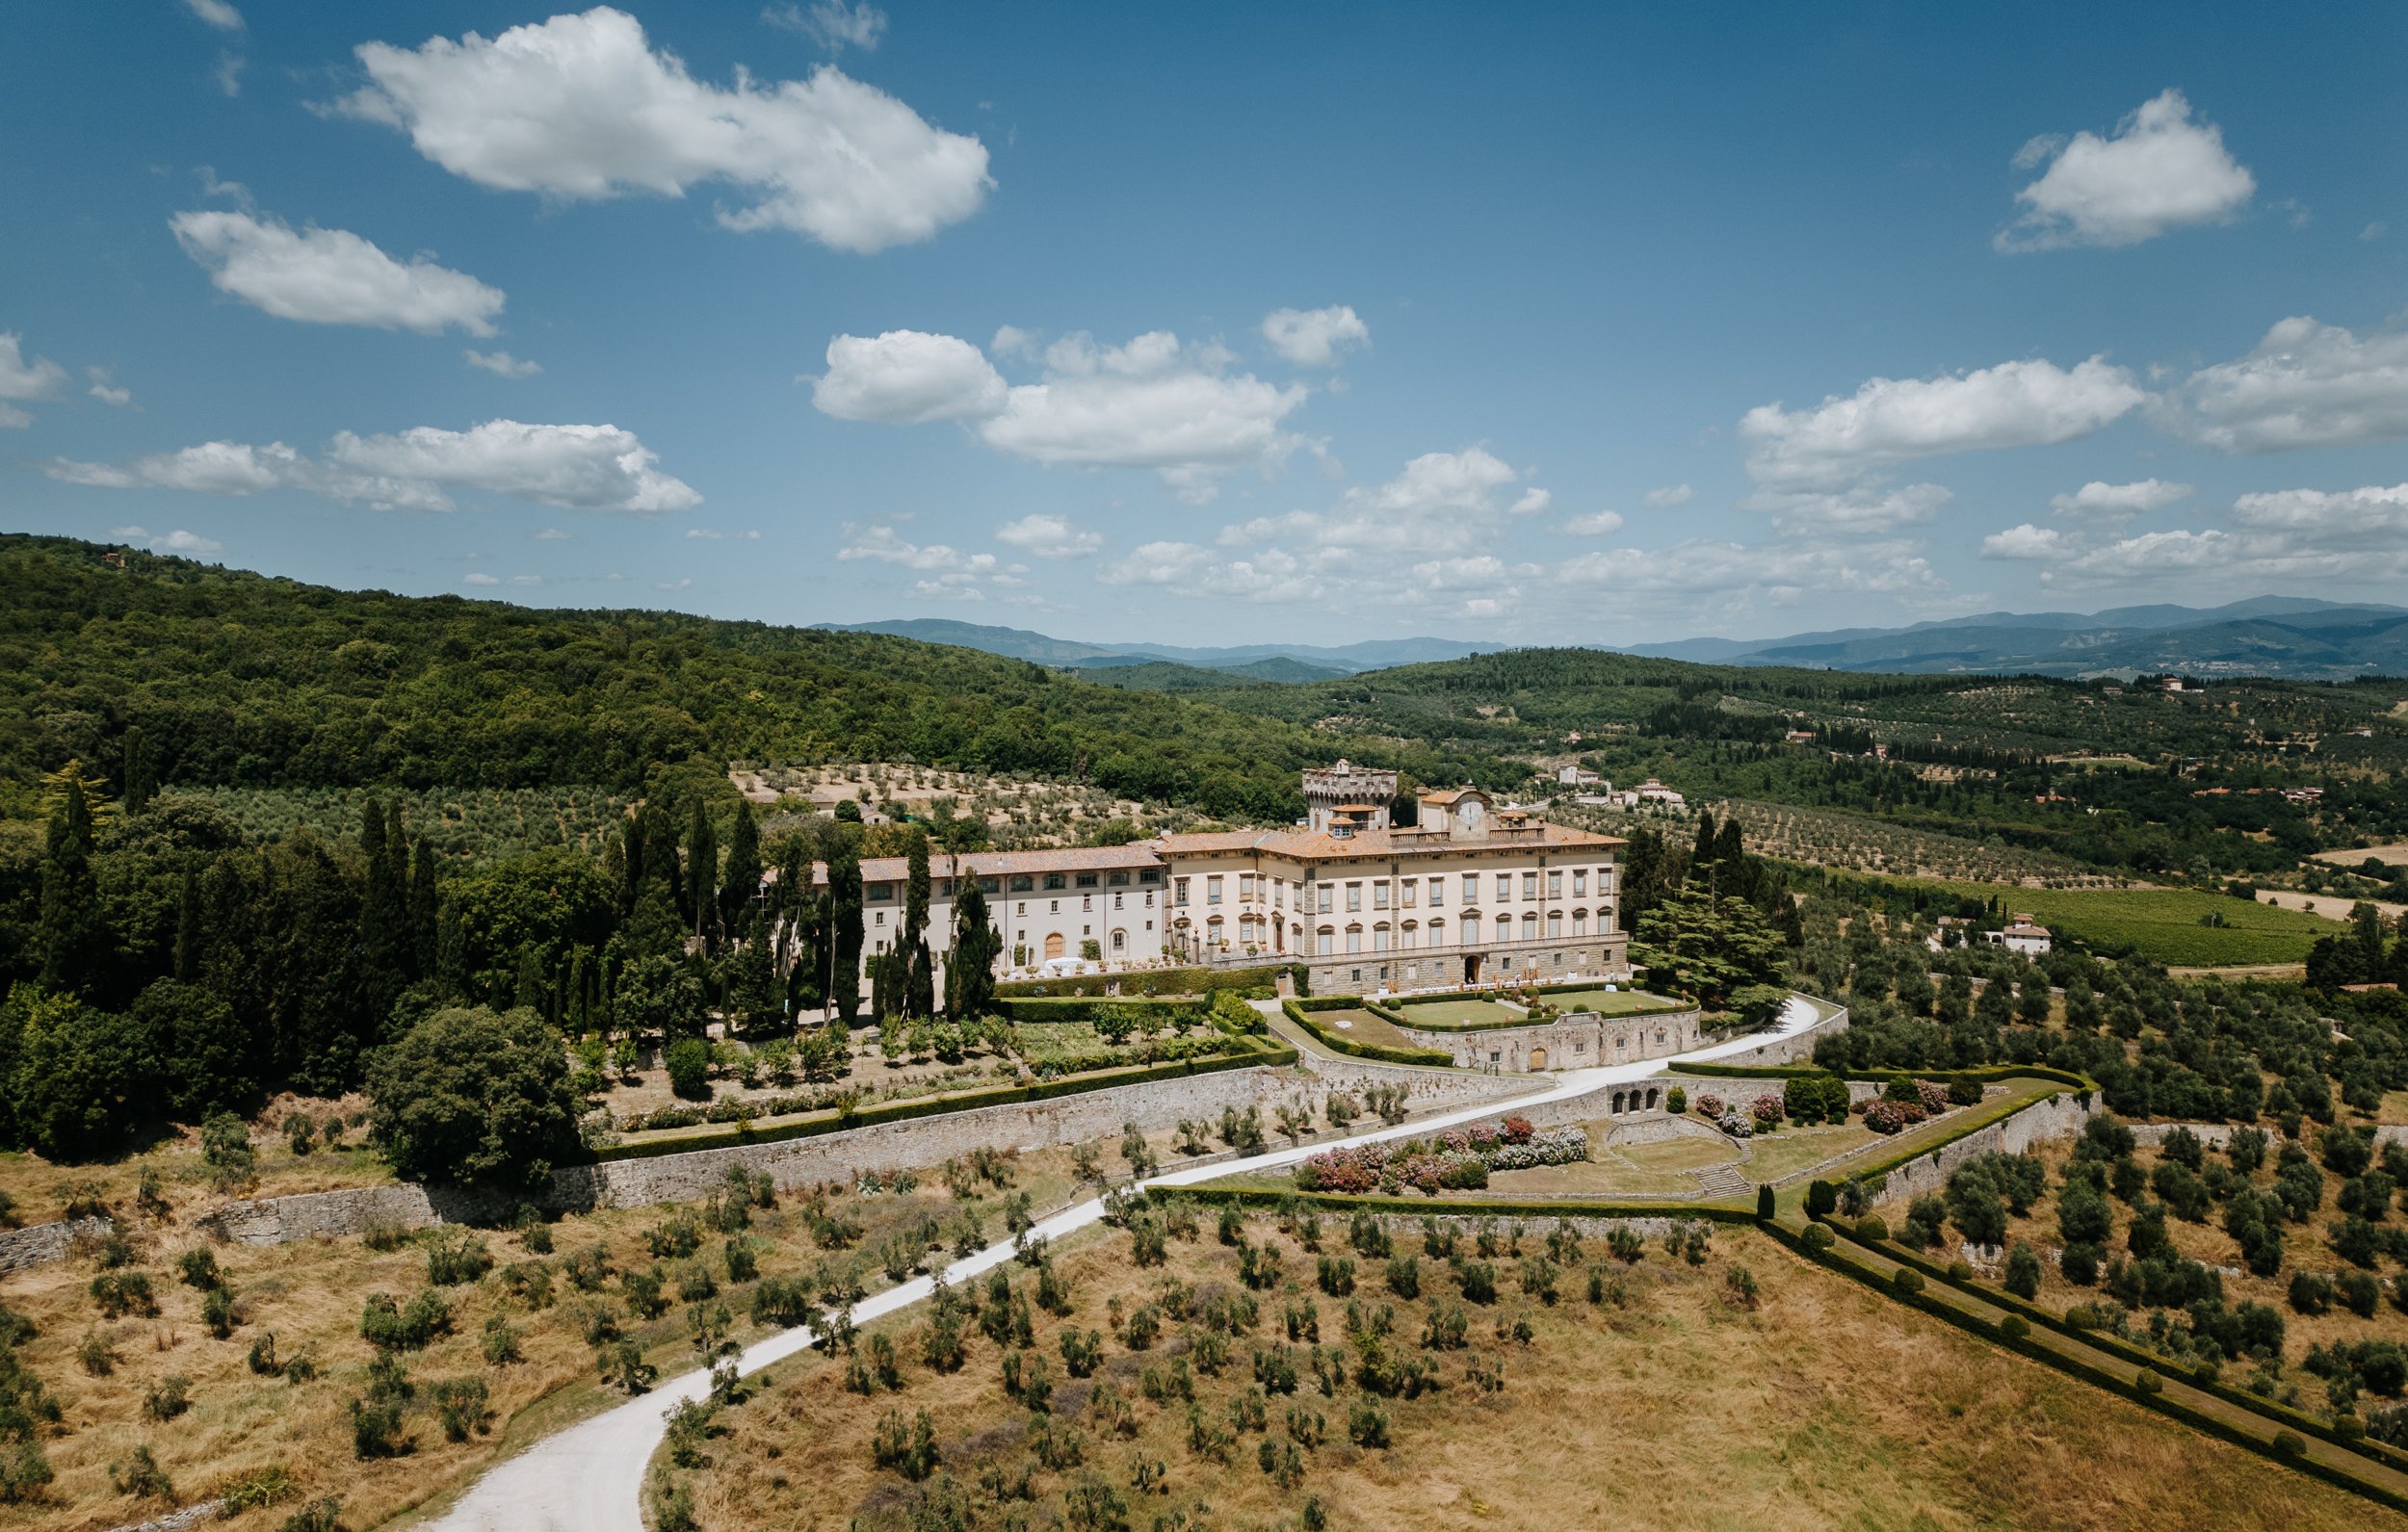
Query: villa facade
{"type": "Point", "coordinates": [1469, 894]}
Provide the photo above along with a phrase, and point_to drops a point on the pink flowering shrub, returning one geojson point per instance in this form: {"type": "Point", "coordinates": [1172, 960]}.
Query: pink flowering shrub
{"type": "Point", "coordinates": [1518, 1130]}
{"type": "Point", "coordinates": [1459, 1158]}
{"type": "Point", "coordinates": [1768, 1110]}
{"type": "Point", "coordinates": [1710, 1108]}
{"type": "Point", "coordinates": [1935, 1096]}
{"type": "Point", "coordinates": [1888, 1116]}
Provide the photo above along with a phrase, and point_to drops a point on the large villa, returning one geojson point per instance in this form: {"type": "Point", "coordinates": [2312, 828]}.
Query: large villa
{"type": "Point", "coordinates": [1465, 894]}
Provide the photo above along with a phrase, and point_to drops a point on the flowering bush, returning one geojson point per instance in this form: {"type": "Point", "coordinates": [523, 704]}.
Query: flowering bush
{"type": "Point", "coordinates": [1736, 1125]}
{"type": "Point", "coordinates": [1935, 1096]}
{"type": "Point", "coordinates": [1888, 1116]}
{"type": "Point", "coordinates": [1561, 1146]}
{"type": "Point", "coordinates": [1710, 1108]}
{"type": "Point", "coordinates": [1767, 1110]}
{"type": "Point", "coordinates": [1518, 1130]}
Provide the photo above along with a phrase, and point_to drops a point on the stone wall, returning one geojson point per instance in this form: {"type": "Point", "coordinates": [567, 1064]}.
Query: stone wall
{"type": "Point", "coordinates": [42, 1243]}
{"type": "Point", "coordinates": [1579, 1041]}
{"type": "Point", "coordinates": [2059, 1116]}
{"type": "Point", "coordinates": [2216, 1135]}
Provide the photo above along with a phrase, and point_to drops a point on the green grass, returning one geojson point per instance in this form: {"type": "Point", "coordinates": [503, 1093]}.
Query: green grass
{"type": "Point", "coordinates": [2163, 925]}
{"type": "Point", "coordinates": [1363, 1026]}
{"type": "Point", "coordinates": [1443, 1014]}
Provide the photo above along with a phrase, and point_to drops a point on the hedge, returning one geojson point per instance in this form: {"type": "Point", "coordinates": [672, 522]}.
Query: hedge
{"type": "Point", "coordinates": [1087, 1008]}
{"type": "Point", "coordinates": [2023, 1345]}
{"type": "Point", "coordinates": [1274, 1054]}
{"type": "Point", "coordinates": [1163, 981]}
{"type": "Point", "coordinates": [1432, 1058]}
{"type": "Point", "coordinates": [2108, 1342]}
{"type": "Point", "coordinates": [1451, 1208]}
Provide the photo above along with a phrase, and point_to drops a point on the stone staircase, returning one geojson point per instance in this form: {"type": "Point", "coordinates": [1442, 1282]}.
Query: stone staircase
{"type": "Point", "coordinates": [1726, 1180]}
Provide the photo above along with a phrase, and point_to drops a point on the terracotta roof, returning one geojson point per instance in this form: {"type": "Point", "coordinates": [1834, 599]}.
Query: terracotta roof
{"type": "Point", "coordinates": [1205, 842]}
{"type": "Point", "coordinates": [1005, 864]}
{"type": "Point", "coordinates": [1319, 844]}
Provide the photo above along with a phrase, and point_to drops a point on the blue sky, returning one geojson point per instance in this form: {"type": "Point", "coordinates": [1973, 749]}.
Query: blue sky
{"type": "Point", "coordinates": [1585, 324]}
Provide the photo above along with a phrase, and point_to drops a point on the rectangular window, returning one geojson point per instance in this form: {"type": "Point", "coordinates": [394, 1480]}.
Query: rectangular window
{"type": "Point", "coordinates": [1053, 880]}
{"type": "Point", "coordinates": [1529, 885]}
{"type": "Point", "coordinates": [1328, 895]}
{"type": "Point", "coordinates": [1380, 895]}
{"type": "Point", "coordinates": [1471, 887]}
{"type": "Point", "coordinates": [1149, 901]}
{"type": "Point", "coordinates": [1211, 890]}
{"type": "Point", "coordinates": [1116, 898]}
{"type": "Point", "coordinates": [1504, 888]}
{"type": "Point", "coordinates": [1151, 874]}
{"type": "Point", "coordinates": [1355, 896]}
{"type": "Point", "coordinates": [991, 885]}
{"type": "Point", "coordinates": [1437, 892]}
{"type": "Point", "coordinates": [1088, 880]}
{"type": "Point", "coordinates": [881, 917]}
{"type": "Point", "coordinates": [1024, 907]}
{"type": "Point", "coordinates": [1180, 894]}
{"type": "Point", "coordinates": [1057, 906]}
{"type": "Point", "coordinates": [1086, 902]}
{"type": "Point", "coordinates": [1580, 881]}
{"type": "Point", "coordinates": [1555, 885]}
{"type": "Point", "coordinates": [1412, 892]}
{"type": "Point", "coordinates": [1118, 880]}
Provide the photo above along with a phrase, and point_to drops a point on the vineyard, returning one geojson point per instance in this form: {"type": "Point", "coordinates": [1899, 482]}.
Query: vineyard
{"type": "Point", "coordinates": [1020, 813]}
{"type": "Point", "coordinates": [1858, 843]}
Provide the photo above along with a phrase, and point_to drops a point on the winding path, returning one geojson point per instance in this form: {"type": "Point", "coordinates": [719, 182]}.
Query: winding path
{"type": "Point", "coordinates": [589, 1477]}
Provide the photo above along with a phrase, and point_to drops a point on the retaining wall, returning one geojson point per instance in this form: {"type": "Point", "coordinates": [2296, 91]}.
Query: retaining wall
{"type": "Point", "coordinates": [42, 1243]}
{"type": "Point", "coordinates": [1578, 1041]}
{"type": "Point", "coordinates": [2059, 1116]}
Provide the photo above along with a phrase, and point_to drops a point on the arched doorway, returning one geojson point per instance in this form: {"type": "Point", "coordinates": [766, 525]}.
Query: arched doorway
{"type": "Point", "coordinates": [1053, 943]}
{"type": "Point", "coordinates": [1539, 1059]}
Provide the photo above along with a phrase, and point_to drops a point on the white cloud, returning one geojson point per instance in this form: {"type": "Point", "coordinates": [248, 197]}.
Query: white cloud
{"type": "Point", "coordinates": [1153, 402]}
{"type": "Point", "coordinates": [2373, 232]}
{"type": "Point", "coordinates": [331, 277]}
{"type": "Point", "coordinates": [1442, 503]}
{"type": "Point", "coordinates": [711, 534]}
{"type": "Point", "coordinates": [2306, 385]}
{"type": "Point", "coordinates": [673, 584]}
{"type": "Point", "coordinates": [1270, 575]}
{"type": "Point", "coordinates": [2026, 541]}
{"type": "Point", "coordinates": [229, 72]}
{"type": "Point", "coordinates": [1866, 507]}
{"type": "Point", "coordinates": [1049, 537]}
{"type": "Point", "coordinates": [1595, 523]}
{"type": "Point", "coordinates": [2099, 500]}
{"type": "Point", "coordinates": [552, 534]}
{"type": "Point", "coordinates": [480, 579]}
{"type": "Point", "coordinates": [905, 377]}
{"type": "Point", "coordinates": [217, 12]}
{"type": "Point", "coordinates": [2326, 539]}
{"type": "Point", "coordinates": [105, 391]}
{"type": "Point", "coordinates": [501, 364]}
{"type": "Point", "coordinates": [178, 541]}
{"type": "Point", "coordinates": [1314, 337]}
{"type": "Point", "coordinates": [598, 468]}
{"type": "Point", "coordinates": [581, 107]}
{"type": "Point", "coordinates": [832, 23]}
{"type": "Point", "coordinates": [1011, 340]}
{"type": "Point", "coordinates": [2161, 172]}
{"type": "Point", "coordinates": [1887, 420]}
{"type": "Point", "coordinates": [883, 545]}
{"type": "Point", "coordinates": [22, 382]}
{"type": "Point", "coordinates": [1668, 495]}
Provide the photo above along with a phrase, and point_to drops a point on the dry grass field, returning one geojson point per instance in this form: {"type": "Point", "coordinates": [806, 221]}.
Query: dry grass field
{"type": "Point", "coordinates": [1673, 1402]}
{"type": "Point", "coordinates": [246, 1417]}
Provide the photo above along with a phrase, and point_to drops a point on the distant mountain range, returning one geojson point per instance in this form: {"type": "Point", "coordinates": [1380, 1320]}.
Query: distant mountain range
{"type": "Point", "coordinates": [2295, 637]}
{"type": "Point", "coordinates": [1259, 662]}
{"type": "Point", "coordinates": [2292, 637]}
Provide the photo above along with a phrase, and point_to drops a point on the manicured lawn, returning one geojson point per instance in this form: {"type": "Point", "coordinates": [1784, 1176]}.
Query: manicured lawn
{"type": "Point", "coordinates": [1793, 1149]}
{"type": "Point", "coordinates": [1612, 1003]}
{"type": "Point", "coordinates": [2163, 925]}
{"type": "Point", "coordinates": [1359, 1025]}
{"type": "Point", "coordinates": [1458, 1013]}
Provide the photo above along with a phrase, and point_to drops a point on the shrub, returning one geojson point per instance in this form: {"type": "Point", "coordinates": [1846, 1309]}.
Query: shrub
{"type": "Point", "coordinates": [2147, 1382]}
{"type": "Point", "coordinates": [140, 1477]}
{"type": "Point", "coordinates": [2310, 1293]}
{"type": "Point", "coordinates": [2014, 1327]}
{"type": "Point", "coordinates": [1676, 1100]}
{"type": "Point", "coordinates": [1906, 1282]}
{"type": "Point", "coordinates": [119, 1293]}
{"type": "Point", "coordinates": [461, 1407]}
{"type": "Point", "coordinates": [390, 1327]}
{"type": "Point", "coordinates": [2289, 1444]}
{"type": "Point", "coordinates": [376, 1429]}
{"type": "Point", "coordinates": [1818, 1238]}
{"type": "Point", "coordinates": [2023, 1271]}
{"type": "Point", "coordinates": [475, 1099]}
{"type": "Point", "coordinates": [1367, 1424]}
{"type": "Point", "coordinates": [169, 1397]}
{"type": "Point", "coordinates": [688, 1064]}
{"type": "Point", "coordinates": [455, 1256]}
{"type": "Point", "coordinates": [1822, 1199]}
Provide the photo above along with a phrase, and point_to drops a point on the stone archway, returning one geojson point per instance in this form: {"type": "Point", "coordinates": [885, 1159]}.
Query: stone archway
{"type": "Point", "coordinates": [1053, 943]}
{"type": "Point", "coordinates": [1539, 1059]}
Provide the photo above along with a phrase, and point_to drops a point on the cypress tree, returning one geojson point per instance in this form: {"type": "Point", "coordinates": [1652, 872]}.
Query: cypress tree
{"type": "Point", "coordinates": [741, 884]}
{"type": "Point", "coordinates": [654, 926]}
{"type": "Point", "coordinates": [426, 903]}
{"type": "Point", "coordinates": [188, 928]}
{"type": "Point", "coordinates": [69, 935]}
{"type": "Point", "coordinates": [702, 877]}
{"type": "Point", "coordinates": [140, 776]}
{"type": "Point", "coordinates": [843, 942]}
{"type": "Point", "coordinates": [383, 911]}
{"type": "Point", "coordinates": [970, 965]}
{"type": "Point", "coordinates": [632, 832]}
{"type": "Point", "coordinates": [919, 979]}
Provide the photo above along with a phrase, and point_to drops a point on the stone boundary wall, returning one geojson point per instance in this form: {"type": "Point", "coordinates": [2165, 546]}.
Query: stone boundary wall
{"type": "Point", "coordinates": [2059, 1116]}
{"type": "Point", "coordinates": [1580, 1040]}
{"type": "Point", "coordinates": [42, 1243]}
{"type": "Point", "coordinates": [2216, 1135]}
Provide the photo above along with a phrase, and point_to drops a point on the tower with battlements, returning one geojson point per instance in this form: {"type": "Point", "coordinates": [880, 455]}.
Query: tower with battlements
{"type": "Point", "coordinates": [1345, 793]}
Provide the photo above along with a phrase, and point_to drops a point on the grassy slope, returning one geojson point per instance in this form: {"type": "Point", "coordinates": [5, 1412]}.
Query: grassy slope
{"type": "Point", "coordinates": [2163, 924]}
{"type": "Point", "coordinates": [1825, 1406]}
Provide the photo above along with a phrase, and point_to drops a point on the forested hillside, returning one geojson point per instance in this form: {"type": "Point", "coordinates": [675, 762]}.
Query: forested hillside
{"type": "Point", "coordinates": [235, 679]}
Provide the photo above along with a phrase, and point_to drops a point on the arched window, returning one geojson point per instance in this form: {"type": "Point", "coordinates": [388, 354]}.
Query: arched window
{"type": "Point", "coordinates": [1379, 937]}
{"type": "Point", "coordinates": [1555, 925]}
{"type": "Point", "coordinates": [1529, 925]}
{"type": "Point", "coordinates": [1580, 923]}
{"type": "Point", "coordinates": [1120, 939]}
{"type": "Point", "coordinates": [1617, 1101]}
{"type": "Point", "coordinates": [1327, 941]}
{"type": "Point", "coordinates": [1437, 933]}
{"type": "Point", "coordinates": [1354, 938]}
{"type": "Point", "coordinates": [1504, 928]}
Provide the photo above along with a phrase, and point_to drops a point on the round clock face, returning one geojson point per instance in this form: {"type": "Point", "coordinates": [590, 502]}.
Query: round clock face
{"type": "Point", "coordinates": [1471, 812]}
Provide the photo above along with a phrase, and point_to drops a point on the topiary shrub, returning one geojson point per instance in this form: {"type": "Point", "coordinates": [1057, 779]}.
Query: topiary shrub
{"type": "Point", "coordinates": [2289, 1444]}
{"type": "Point", "coordinates": [2014, 1327]}
{"type": "Point", "coordinates": [688, 1064]}
{"type": "Point", "coordinates": [1676, 1100]}
{"type": "Point", "coordinates": [2147, 1383]}
{"type": "Point", "coordinates": [1906, 1282]}
{"type": "Point", "coordinates": [1871, 1226]}
{"type": "Point", "coordinates": [1818, 1238]}
{"type": "Point", "coordinates": [1822, 1199]}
